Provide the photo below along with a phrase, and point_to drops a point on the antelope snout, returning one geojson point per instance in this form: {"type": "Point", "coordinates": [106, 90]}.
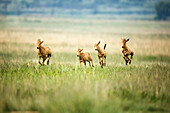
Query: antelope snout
{"type": "Point", "coordinates": [77, 55]}
{"type": "Point", "coordinates": [38, 47]}
{"type": "Point", "coordinates": [95, 48]}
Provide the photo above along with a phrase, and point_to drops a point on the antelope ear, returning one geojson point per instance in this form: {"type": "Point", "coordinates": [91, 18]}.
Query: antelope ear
{"type": "Point", "coordinates": [121, 38]}
{"type": "Point", "coordinates": [81, 50]}
{"type": "Point", "coordinates": [98, 43]}
{"type": "Point", "coordinates": [42, 41]}
{"type": "Point", "coordinates": [127, 39]}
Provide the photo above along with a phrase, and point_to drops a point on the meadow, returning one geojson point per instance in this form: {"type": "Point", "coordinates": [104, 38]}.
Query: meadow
{"type": "Point", "coordinates": [64, 86]}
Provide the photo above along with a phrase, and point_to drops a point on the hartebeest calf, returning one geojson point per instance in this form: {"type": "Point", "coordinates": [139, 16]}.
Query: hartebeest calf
{"type": "Point", "coordinates": [43, 52]}
{"type": "Point", "coordinates": [101, 54]}
{"type": "Point", "coordinates": [126, 51]}
{"type": "Point", "coordinates": [84, 57]}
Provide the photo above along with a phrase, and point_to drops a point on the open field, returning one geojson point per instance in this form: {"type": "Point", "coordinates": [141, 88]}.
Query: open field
{"type": "Point", "coordinates": [64, 87]}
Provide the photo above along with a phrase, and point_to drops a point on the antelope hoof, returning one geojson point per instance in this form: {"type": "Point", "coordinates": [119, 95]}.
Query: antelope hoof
{"type": "Point", "coordinates": [40, 63]}
{"type": "Point", "coordinates": [126, 62]}
{"type": "Point", "coordinates": [48, 62]}
{"type": "Point", "coordinates": [130, 62]}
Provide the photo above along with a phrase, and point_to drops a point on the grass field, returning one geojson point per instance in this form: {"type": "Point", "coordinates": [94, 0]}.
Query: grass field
{"type": "Point", "coordinates": [64, 87]}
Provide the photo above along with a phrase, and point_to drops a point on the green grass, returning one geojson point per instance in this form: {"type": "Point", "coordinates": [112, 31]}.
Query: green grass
{"type": "Point", "coordinates": [66, 87]}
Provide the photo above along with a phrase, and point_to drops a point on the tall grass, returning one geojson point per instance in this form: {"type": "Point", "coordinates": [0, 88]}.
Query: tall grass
{"type": "Point", "coordinates": [65, 87]}
{"type": "Point", "coordinates": [68, 88]}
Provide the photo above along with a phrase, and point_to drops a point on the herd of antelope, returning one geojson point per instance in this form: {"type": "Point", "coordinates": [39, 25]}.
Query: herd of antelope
{"type": "Point", "coordinates": [45, 52]}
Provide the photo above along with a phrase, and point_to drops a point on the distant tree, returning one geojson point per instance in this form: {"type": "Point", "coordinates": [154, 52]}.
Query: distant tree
{"type": "Point", "coordinates": [162, 10]}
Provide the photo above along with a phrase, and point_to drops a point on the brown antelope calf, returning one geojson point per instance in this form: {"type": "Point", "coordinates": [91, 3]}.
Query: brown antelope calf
{"type": "Point", "coordinates": [43, 52]}
{"type": "Point", "coordinates": [101, 54]}
{"type": "Point", "coordinates": [126, 51]}
{"type": "Point", "coordinates": [83, 57]}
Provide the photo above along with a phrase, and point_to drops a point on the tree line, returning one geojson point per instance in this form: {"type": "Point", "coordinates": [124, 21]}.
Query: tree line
{"type": "Point", "coordinates": [52, 7]}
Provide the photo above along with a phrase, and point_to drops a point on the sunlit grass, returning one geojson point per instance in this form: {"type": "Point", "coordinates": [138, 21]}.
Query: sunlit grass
{"type": "Point", "coordinates": [62, 88]}
{"type": "Point", "coordinates": [65, 87]}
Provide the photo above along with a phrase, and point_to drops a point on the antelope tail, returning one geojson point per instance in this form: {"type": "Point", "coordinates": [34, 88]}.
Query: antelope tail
{"type": "Point", "coordinates": [104, 46]}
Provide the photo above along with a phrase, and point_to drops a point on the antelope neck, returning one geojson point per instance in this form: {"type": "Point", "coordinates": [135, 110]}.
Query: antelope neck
{"type": "Point", "coordinates": [81, 54]}
{"type": "Point", "coordinates": [40, 50]}
{"type": "Point", "coordinates": [99, 50]}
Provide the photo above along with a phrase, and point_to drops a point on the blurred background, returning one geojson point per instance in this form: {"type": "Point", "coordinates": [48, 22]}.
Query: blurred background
{"type": "Point", "coordinates": [66, 25]}
{"type": "Point", "coordinates": [100, 9]}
